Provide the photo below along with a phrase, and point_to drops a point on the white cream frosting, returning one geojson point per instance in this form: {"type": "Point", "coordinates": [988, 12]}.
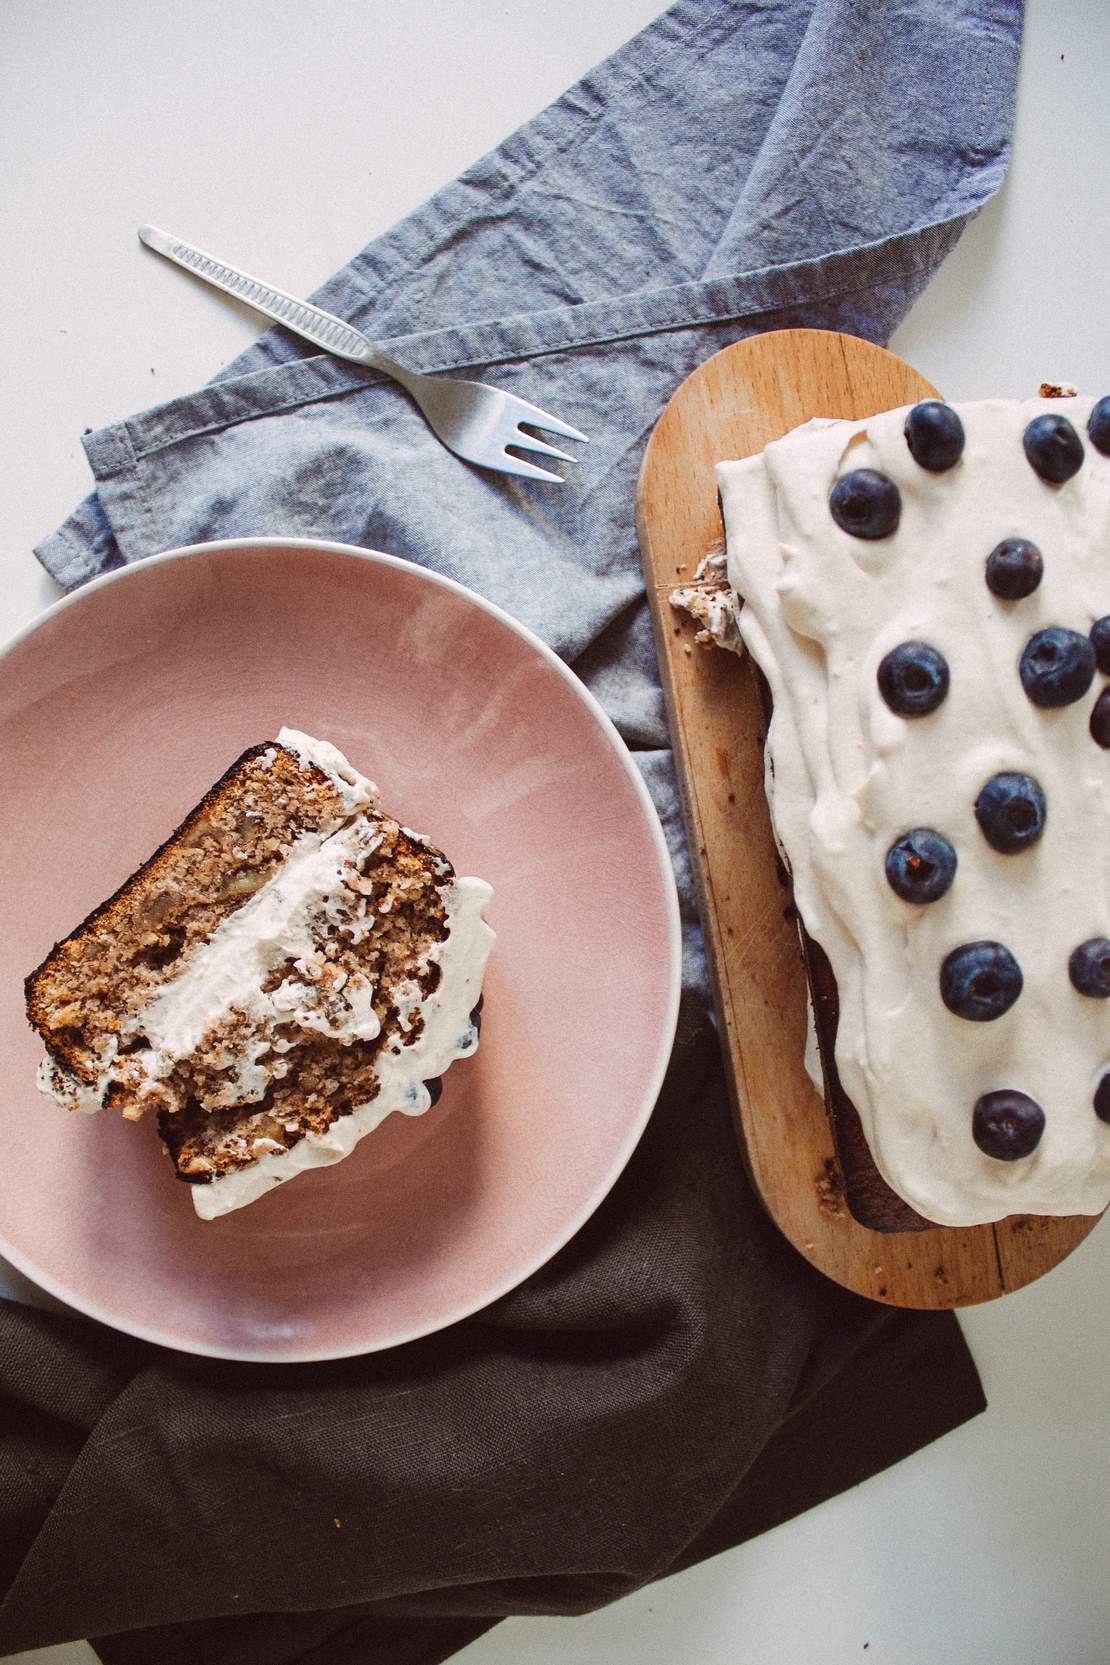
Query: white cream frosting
{"type": "Point", "coordinates": [65, 1089]}
{"type": "Point", "coordinates": [447, 1034]}
{"type": "Point", "coordinates": [847, 776]}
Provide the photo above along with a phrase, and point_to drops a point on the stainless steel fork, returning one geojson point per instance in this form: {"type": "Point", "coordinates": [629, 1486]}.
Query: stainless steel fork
{"type": "Point", "coordinates": [475, 421]}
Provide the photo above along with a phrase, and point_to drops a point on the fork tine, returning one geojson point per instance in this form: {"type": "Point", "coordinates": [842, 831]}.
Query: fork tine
{"type": "Point", "coordinates": [516, 465]}
{"type": "Point", "coordinates": [537, 418]}
{"type": "Point", "coordinates": [525, 442]}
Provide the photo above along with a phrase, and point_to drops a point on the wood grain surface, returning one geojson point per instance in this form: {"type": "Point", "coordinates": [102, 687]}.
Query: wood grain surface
{"type": "Point", "coordinates": [732, 406]}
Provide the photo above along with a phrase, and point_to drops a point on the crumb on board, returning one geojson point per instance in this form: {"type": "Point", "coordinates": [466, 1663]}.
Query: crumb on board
{"type": "Point", "coordinates": [710, 601]}
{"type": "Point", "coordinates": [830, 1190]}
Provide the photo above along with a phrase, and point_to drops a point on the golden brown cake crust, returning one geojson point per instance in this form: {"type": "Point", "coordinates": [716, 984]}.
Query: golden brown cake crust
{"type": "Point", "coordinates": [327, 1078]}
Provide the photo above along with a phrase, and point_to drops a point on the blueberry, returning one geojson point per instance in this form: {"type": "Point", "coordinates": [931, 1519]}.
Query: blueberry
{"type": "Point", "coordinates": [921, 865]}
{"type": "Point", "coordinates": [1100, 720]}
{"type": "Point", "coordinates": [1057, 666]}
{"type": "Point", "coordinates": [1054, 449]}
{"type": "Point", "coordinates": [866, 503]}
{"type": "Point", "coordinates": [979, 981]}
{"type": "Point", "coordinates": [1089, 968]}
{"type": "Point", "coordinates": [1011, 810]}
{"type": "Point", "coordinates": [1102, 1098]}
{"type": "Point", "coordinates": [935, 435]}
{"type": "Point", "coordinates": [1100, 641]}
{"type": "Point", "coordinates": [1014, 569]}
{"type": "Point", "coordinates": [435, 1088]}
{"type": "Point", "coordinates": [1098, 427]}
{"type": "Point", "coordinates": [913, 679]}
{"type": "Point", "coordinates": [1007, 1124]}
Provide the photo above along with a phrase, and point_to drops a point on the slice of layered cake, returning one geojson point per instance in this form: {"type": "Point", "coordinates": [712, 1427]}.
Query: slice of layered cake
{"type": "Point", "coordinates": [290, 967]}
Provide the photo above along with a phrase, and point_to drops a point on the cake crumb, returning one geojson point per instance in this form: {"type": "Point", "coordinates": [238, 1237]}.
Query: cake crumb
{"type": "Point", "coordinates": [711, 601]}
{"type": "Point", "coordinates": [830, 1190]}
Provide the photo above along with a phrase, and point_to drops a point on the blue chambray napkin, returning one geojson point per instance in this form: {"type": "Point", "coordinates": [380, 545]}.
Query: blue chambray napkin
{"type": "Point", "coordinates": [740, 165]}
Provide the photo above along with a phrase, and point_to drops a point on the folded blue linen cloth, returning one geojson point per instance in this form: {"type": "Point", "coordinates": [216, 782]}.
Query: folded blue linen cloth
{"type": "Point", "coordinates": [677, 1378]}
{"type": "Point", "coordinates": [741, 165]}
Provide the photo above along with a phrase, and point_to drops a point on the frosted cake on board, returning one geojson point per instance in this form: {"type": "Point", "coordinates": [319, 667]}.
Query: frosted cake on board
{"type": "Point", "coordinates": [927, 593]}
{"type": "Point", "coordinates": [287, 970]}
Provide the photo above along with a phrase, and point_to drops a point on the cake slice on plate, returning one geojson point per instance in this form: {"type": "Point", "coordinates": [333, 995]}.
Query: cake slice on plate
{"type": "Point", "coordinates": [290, 967]}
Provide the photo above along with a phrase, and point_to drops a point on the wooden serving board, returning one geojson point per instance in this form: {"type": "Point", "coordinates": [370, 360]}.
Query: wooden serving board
{"type": "Point", "coordinates": [731, 406]}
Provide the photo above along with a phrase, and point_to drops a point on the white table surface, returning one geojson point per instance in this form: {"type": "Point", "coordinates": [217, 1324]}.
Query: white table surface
{"type": "Point", "coordinates": [213, 119]}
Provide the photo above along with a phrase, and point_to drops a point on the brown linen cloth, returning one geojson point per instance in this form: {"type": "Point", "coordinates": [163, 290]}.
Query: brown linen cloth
{"type": "Point", "coordinates": [675, 1381]}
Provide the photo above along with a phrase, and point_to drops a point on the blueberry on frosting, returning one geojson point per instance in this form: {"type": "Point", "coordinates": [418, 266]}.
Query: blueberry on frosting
{"type": "Point", "coordinates": [935, 435]}
{"type": "Point", "coordinates": [1098, 426]}
{"type": "Point", "coordinates": [1054, 449]}
{"type": "Point", "coordinates": [1057, 666]}
{"type": "Point", "coordinates": [866, 503]}
{"type": "Point", "coordinates": [1089, 968]}
{"type": "Point", "coordinates": [920, 866]}
{"type": "Point", "coordinates": [1100, 641]}
{"type": "Point", "coordinates": [980, 981]}
{"type": "Point", "coordinates": [1014, 569]}
{"type": "Point", "coordinates": [913, 679]}
{"type": "Point", "coordinates": [1102, 1098]}
{"type": "Point", "coordinates": [1011, 812]}
{"type": "Point", "coordinates": [1007, 1124]}
{"type": "Point", "coordinates": [1100, 720]}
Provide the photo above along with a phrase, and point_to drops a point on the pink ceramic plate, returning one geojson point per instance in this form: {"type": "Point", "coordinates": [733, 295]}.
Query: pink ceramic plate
{"type": "Point", "coordinates": [117, 710]}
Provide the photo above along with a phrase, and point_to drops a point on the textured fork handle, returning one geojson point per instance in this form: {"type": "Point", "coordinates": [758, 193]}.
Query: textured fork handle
{"type": "Point", "coordinates": [314, 324]}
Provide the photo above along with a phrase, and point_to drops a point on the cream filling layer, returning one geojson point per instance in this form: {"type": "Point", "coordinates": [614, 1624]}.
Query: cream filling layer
{"type": "Point", "coordinates": [280, 922]}
{"type": "Point", "coordinates": [448, 1033]}
{"type": "Point", "coordinates": [847, 776]}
